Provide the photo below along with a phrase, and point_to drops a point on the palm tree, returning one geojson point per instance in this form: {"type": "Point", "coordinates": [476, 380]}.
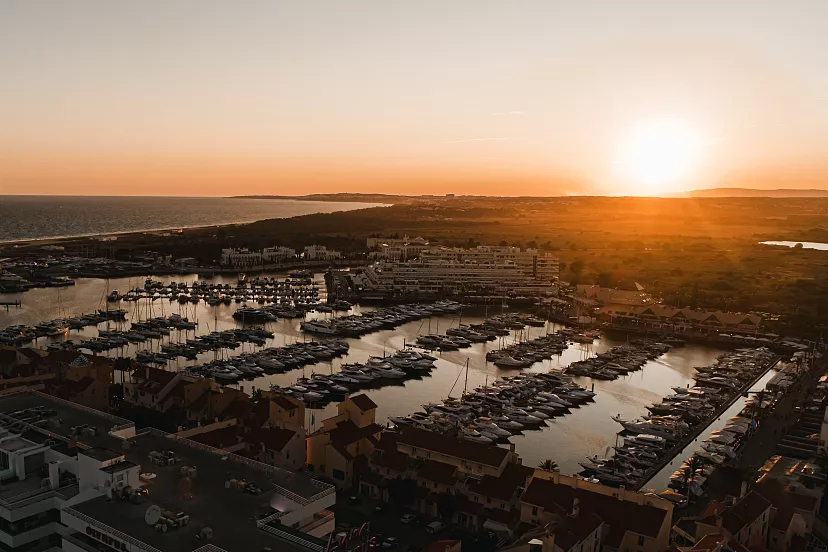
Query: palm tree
{"type": "Point", "coordinates": [548, 465]}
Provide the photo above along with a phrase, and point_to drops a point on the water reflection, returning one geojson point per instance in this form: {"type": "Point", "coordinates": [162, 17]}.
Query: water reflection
{"type": "Point", "coordinates": [585, 432]}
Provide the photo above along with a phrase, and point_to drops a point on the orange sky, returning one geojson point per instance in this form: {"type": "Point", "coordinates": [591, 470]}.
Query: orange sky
{"type": "Point", "coordinates": [200, 97]}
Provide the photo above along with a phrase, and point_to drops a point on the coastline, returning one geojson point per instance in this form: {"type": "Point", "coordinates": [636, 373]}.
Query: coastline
{"type": "Point", "coordinates": [97, 236]}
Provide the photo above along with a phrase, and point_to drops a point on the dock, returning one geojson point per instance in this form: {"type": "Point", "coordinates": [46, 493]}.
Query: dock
{"type": "Point", "coordinates": [8, 304]}
{"type": "Point", "coordinates": [690, 437]}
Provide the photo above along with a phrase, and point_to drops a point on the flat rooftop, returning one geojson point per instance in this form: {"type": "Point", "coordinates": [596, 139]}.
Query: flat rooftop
{"type": "Point", "coordinates": [65, 418]}
{"type": "Point", "coordinates": [230, 513]}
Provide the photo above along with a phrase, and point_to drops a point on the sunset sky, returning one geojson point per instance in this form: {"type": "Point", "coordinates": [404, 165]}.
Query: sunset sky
{"type": "Point", "coordinates": [429, 96]}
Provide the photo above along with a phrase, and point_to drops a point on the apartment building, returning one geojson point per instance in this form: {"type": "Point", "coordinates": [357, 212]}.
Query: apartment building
{"type": "Point", "coordinates": [241, 258]}
{"type": "Point", "coordinates": [78, 479]}
{"type": "Point", "coordinates": [278, 254]}
{"type": "Point", "coordinates": [335, 449]}
{"type": "Point", "coordinates": [396, 249]}
{"type": "Point", "coordinates": [665, 316]}
{"type": "Point", "coordinates": [490, 489]}
{"type": "Point", "coordinates": [442, 278]}
{"type": "Point", "coordinates": [590, 516]}
{"type": "Point", "coordinates": [542, 266]}
{"type": "Point", "coordinates": [320, 253]}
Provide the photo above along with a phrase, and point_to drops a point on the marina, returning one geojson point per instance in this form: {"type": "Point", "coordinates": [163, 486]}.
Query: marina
{"type": "Point", "coordinates": [653, 442]}
{"type": "Point", "coordinates": [568, 439]}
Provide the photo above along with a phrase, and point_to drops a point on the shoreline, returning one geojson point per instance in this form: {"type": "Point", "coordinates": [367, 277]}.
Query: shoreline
{"type": "Point", "coordinates": [57, 240]}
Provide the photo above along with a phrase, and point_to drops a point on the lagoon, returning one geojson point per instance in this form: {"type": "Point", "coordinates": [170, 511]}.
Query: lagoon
{"type": "Point", "coordinates": [805, 245]}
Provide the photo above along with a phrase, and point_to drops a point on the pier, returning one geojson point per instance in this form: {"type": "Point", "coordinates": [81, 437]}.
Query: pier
{"type": "Point", "coordinates": [693, 435]}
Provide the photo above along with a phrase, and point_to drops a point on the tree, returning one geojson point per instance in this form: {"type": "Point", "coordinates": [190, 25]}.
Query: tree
{"type": "Point", "coordinates": [445, 506]}
{"type": "Point", "coordinates": [549, 465]}
{"type": "Point", "coordinates": [402, 492]}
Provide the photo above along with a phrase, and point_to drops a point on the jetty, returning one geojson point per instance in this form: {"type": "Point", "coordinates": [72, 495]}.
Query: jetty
{"type": "Point", "coordinates": [681, 445]}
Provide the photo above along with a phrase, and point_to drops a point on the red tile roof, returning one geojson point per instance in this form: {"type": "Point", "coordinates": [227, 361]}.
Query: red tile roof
{"type": "Point", "coordinates": [259, 414]}
{"type": "Point", "coordinates": [284, 402]}
{"type": "Point", "coordinates": [348, 432]}
{"type": "Point", "coordinates": [620, 516]}
{"type": "Point", "coordinates": [477, 453]}
{"type": "Point", "coordinates": [8, 356]}
{"type": "Point", "coordinates": [438, 472]}
{"type": "Point", "coordinates": [503, 487]}
{"type": "Point", "coordinates": [572, 531]}
{"type": "Point", "coordinates": [363, 402]}
{"type": "Point", "coordinates": [274, 438]}
{"type": "Point", "coordinates": [219, 438]}
{"type": "Point", "coordinates": [744, 512]}
{"type": "Point", "coordinates": [237, 409]}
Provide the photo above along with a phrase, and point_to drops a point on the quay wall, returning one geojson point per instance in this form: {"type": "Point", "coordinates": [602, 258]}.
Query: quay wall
{"type": "Point", "coordinates": [682, 444]}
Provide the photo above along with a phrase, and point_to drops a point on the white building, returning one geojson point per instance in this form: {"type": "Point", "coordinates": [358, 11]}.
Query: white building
{"type": "Point", "coordinates": [278, 254]}
{"type": "Point", "coordinates": [437, 277]}
{"type": "Point", "coordinates": [87, 481]}
{"type": "Point", "coordinates": [395, 249]}
{"type": "Point", "coordinates": [320, 253]}
{"type": "Point", "coordinates": [240, 257]}
{"type": "Point", "coordinates": [540, 265]}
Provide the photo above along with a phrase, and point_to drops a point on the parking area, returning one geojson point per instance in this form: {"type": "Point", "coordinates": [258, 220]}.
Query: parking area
{"type": "Point", "coordinates": [386, 522]}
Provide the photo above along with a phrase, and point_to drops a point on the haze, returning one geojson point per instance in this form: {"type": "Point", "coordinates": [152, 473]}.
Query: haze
{"type": "Point", "coordinates": [477, 97]}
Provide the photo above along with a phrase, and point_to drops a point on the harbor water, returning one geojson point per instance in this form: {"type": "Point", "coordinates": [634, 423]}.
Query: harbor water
{"type": "Point", "coordinates": [661, 480]}
{"type": "Point", "coordinates": [586, 431]}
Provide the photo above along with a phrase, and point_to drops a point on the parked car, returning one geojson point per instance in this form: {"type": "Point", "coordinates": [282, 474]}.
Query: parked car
{"type": "Point", "coordinates": [408, 518]}
{"type": "Point", "coordinates": [390, 542]}
{"type": "Point", "coordinates": [434, 527]}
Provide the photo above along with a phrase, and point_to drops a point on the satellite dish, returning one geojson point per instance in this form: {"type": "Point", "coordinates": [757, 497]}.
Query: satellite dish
{"type": "Point", "coordinates": [153, 514]}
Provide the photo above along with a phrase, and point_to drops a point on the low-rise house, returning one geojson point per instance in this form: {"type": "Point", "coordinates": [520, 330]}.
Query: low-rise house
{"type": "Point", "coordinates": [595, 517]}
{"type": "Point", "coordinates": [273, 408]}
{"type": "Point", "coordinates": [468, 457]}
{"type": "Point", "coordinates": [746, 521]}
{"type": "Point", "coordinates": [344, 440]}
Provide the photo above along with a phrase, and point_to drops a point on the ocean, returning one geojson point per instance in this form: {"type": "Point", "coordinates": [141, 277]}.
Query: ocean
{"type": "Point", "coordinates": [39, 217]}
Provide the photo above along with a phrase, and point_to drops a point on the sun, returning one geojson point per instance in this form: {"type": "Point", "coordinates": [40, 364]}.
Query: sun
{"type": "Point", "coordinates": [659, 157]}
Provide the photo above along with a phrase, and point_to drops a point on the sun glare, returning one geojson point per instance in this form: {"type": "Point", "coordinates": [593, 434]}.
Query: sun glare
{"type": "Point", "coordinates": [659, 158]}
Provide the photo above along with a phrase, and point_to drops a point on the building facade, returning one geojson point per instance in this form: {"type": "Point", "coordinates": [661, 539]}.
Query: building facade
{"type": "Point", "coordinates": [542, 266]}
{"type": "Point", "coordinates": [445, 278]}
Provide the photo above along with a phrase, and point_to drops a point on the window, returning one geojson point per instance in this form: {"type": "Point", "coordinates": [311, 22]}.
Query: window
{"type": "Point", "coordinates": [488, 501]}
{"type": "Point", "coordinates": [534, 510]}
{"type": "Point", "coordinates": [119, 477]}
{"type": "Point", "coordinates": [502, 506]}
{"type": "Point", "coordinates": [287, 455]}
{"type": "Point", "coordinates": [387, 471]}
{"type": "Point", "coordinates": [435, 485]}
{"type": "Point", "coordinates": [428, 454]}
{"type": "Point", "coordinates": [640, 540]}
{"type": "Point", "coordinates": [339, 474]}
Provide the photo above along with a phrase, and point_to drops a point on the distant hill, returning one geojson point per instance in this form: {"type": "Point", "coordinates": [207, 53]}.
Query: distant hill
{"type": "Point", "coordinates": [750, 192]}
